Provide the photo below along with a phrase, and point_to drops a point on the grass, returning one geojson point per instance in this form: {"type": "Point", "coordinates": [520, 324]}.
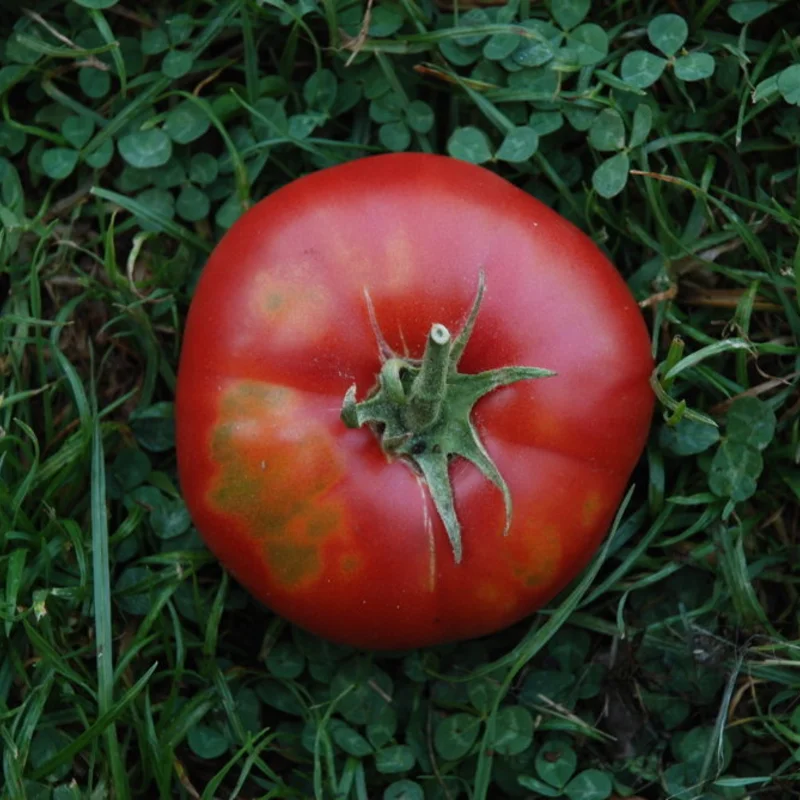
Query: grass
{"type": "Point", "coordinates": [133, 136]}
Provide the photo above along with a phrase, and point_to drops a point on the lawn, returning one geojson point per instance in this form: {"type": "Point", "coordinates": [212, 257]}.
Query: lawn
{"type": "Point", "coordinates": [133, 135]}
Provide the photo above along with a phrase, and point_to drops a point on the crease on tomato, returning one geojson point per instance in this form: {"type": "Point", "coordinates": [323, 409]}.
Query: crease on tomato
{"type": "Point", "coordinates": [275, 475]}
{"type": "Point", "coordinates": [430, 535]}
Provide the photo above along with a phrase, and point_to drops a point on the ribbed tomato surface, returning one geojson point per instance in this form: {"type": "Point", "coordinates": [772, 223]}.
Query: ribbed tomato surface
{"type": "Point", "coordinates": [310, 515]}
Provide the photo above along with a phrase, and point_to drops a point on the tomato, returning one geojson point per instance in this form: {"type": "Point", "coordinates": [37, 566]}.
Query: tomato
{"type": "Point", "coordinates": [409, 402]}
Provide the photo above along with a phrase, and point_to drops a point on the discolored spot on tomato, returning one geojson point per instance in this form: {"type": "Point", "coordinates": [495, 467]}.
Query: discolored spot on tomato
{"type": "Point", "coordinates": [399, 260]}
{"type": "Point", "coordinates": [547, 426]}
{"type": "Point", "coordinates": [276, 470]}
{"type": "Point", "coordinates": [249, 396]}
{"type": "Point", "coordinates": [593, 509]}
{"type": "Point", "coordinates": [322, 522]}
{"type": "Point", "coordinates": [537, 555]}
{"type": "Point", "coordinates": [293, 309]}
{"type": "Point", "coordinates": [238, 491]}
{"type": "Point", "coordinates": [273, 301]}
{"type": "Point", "coordinates": [293, 563]}
{"type": "Point", "coordinates": [350, 564]}
{"type": "Point", "coordinates": [294, 550]}
{"type": "Point", "coordinates": [495, 596]}
{"type": "Point", "coordinates": [344, 250]}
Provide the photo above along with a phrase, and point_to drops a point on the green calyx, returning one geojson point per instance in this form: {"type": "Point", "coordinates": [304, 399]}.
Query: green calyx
{"type": "Point", "coordinates": [421, 411]}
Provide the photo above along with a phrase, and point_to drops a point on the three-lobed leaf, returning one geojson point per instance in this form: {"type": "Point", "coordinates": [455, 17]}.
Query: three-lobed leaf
{"type": "Point", "coordinates": [500, 46]}
{"type": "Point", "coordinates": [744, 11]}
{"type": "Point", "coordinates": [94, 83]}
{"type": "Point", "coordinates": [419, 116]}
{"type": "Point", "coordinates": [536, 785]}
{"type": "Point", "coordinates": [404, 790]}
{"type": "Point", "coordinates": [285, 661]}
{"type": "Point", "coordinates": [513, 731]}
{"type": "Point", "coordinates": [395, 136]}
{"type": "Point", "coordinates": [469, 144]}
{"type": "Point", "coordinates": [610, 177]}
{"type": "Point", "coordinates": [545, 122]}
{"type": "Point", "coordinates": [642, 125]}
{"type": "Point", "coordinates": [146, 149]}
{"type": "Point", "coordinates": [319, 90]}
{"type": "Point", "coordinates": [585, 46]}
{"type": "Point", "coordinates": [641, 69]}
{"type": "Point", "coordinates": [154, 426]}
{"type": "Point", "coordinates": [789, 84]}
{"type": "Point", "coordinates": [207, 741]}
{"type": "Point", "coordinates": [474, 18]}
{"type": "Point", "coordinates": [519, 145]}
{"type": "Point", "coordinates": [77, 130]}
{"type": "Point", "coordinates": [608, 131]}
{"type": "Point", "coordinates": [694, 67]}
{"type": "Point", "coordinates": [688, 437]}
{"type": "Point", "coordinates": [668, 33]}
{"type": "Point", "coordinates": [556, 763]}
{"type": "Point", "coordinates": [540, 47]}
{"type": "Point", "coordinates": [186, 122]}
{"type": "Point", "coordinates": [177, 63]}
{"type": "Point", "coordinates": [385, 21]}
{"type": "Point", "coordinates": [455, 736]}
{"type": "Point", "coordinates": [752, 422]}
{"type": "Point", "coordinates": [154, 41]}
{"type": "Point", "coordinates": [591, 784]}
{"type": "Point", "coordinates": [382, 727]}
{"type": "Point", "coordinates": [170, 518]}
{"type": "Point", "coordinates": [735, 470]}
{"type": "Point", "coordinates": [569, 13]}
{"type": "Point", "coordinates": [351, 741]}
{"type": "Point", "coordinates": [738, 463]}
{"type": "Point", "coordinates": [179, 27]}
{"type": "Point", "coordinates": [394, 759]}
{"type": "Point", "coordinates": [59, 162]}
{"type": "Point", "coordinates": [203, 169]}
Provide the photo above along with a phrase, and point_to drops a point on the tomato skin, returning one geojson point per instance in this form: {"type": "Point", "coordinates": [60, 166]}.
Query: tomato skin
{"type": "Point", "coordinates": [309, 515]}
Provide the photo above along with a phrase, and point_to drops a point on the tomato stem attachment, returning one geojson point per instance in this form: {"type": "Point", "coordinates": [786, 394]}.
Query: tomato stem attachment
{"type": "Point", "coordinates": [420, 410]}
{"type": "Point", "coordinates": [430, 386]}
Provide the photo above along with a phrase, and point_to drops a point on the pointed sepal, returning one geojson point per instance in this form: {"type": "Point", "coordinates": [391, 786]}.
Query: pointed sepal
{"type": "Point", "coordinates": [436, 474]}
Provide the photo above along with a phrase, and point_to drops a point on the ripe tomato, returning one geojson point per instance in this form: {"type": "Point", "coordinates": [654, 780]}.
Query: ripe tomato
{"type": "Point", "coordinates": [337, 516]}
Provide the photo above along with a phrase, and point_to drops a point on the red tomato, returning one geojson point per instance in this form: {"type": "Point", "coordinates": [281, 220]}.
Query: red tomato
{"type": "Point", "coordinates": [314, 517]}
